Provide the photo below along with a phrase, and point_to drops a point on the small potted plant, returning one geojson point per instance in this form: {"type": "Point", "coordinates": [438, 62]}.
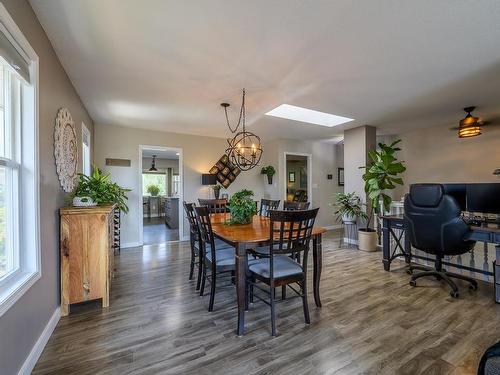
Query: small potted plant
{"type": "Point", "coordinates": [380, 175]}
{"type": "Point", "coordinates": [269, 171]}
{"type": "Point", "coordinates": [242, 207]}
{"type": "Point", "coordinates": [154, 190]}
{"type": "Point", "coordinates": [216, 190]}
{"type": "Point", "coordinates": [98, 189]}
{"type": "Point", "coordinates": [349, 208]}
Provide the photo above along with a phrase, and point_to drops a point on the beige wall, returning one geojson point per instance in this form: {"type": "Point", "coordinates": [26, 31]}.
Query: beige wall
{"type": "Point", "coordinates": [199, 155]}
{"type": "Point", "coordinates": [23, 323]}
{"type": "Point", "coordinates": [438, 155]}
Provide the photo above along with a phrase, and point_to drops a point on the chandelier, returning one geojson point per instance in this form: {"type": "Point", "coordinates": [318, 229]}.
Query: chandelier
{"type": "Point", "coordinates": [245, 149]}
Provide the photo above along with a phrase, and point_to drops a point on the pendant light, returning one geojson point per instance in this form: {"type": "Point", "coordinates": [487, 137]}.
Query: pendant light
{"type": "Point", "coordinates": [245, 149]}
{"type": "Point", "coordinates": [469, 126]}
{"type": "Point", "coordinates": [153, 165]}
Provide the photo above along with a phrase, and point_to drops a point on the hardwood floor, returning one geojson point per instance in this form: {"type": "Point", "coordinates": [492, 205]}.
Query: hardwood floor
{"type": "Point", "coordinates": [371, 322]}
{"type": "Point", "coordinates": [155, 231]}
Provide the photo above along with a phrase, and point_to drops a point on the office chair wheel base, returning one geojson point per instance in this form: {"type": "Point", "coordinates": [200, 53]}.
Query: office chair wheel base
{"type": "Point", "coordinates": [413, 283]}
{"type": "Point", "coordinates": [409, 272]}
{"type": "Point", "coordinates": [472, 287]}
{"type": "Point", "coordinates": [454, 294]}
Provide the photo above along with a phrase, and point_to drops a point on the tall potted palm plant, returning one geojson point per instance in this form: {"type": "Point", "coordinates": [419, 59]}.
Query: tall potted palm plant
{"type": "Point", "coordinates": [380, 175]}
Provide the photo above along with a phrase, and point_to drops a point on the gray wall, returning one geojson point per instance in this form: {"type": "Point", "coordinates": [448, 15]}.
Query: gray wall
{"type": "Point", "coordinates": [23, 323]}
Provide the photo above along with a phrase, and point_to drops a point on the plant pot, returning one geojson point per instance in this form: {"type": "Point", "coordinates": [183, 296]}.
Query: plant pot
{"type": "Point", "coordinates": [154, 195]}
{"type": "Point", "coordinates": [348, 219]}
{"type": "Point", "coordinates": [269, 179]}
{"type": "Point", "coordinates": [83, 202]}
{"type": "Point", "coordinates": [367, 240]}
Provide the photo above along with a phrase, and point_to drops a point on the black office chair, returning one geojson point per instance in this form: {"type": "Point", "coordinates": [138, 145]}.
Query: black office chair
{"type": "Point", "coordinates": [436, 227]}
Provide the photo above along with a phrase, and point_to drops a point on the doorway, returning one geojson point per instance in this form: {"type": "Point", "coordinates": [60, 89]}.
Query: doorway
{"type": "Point", "coordinates": [297, 178]}
{"type": "Point", "coordinates": [161, 191]}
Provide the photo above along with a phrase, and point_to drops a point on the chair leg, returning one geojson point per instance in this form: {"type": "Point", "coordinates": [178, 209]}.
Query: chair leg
{"type": "Point", "coordinates": [283, 292]}
{"type": "Point", "coordinates": [304, 302]}
{"type": "Point", "coordinates": [203, 277]}
{"type": "Point", "coordinates": [273, 318]}
{"type": "Point", "coordinates": [212, 291]}
{"type": "Point", "coordinates": [453, 286]}
{"type": "Point", "coordinates": [191, 268]}
{"type": "Point", "coordinates": [470, 280]}
{"type": "Point", "coordinates": [251, 289]}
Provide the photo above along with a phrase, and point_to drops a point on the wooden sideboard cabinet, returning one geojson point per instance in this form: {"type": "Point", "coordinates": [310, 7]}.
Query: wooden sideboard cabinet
{"type": "Point", "coordinates": [87, 254]}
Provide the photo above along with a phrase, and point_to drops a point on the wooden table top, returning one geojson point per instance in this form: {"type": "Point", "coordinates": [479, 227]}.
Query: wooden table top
{"type": "Point", "coordinates": [257, 231]}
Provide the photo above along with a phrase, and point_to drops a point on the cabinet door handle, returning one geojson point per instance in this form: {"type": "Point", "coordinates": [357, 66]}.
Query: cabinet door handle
{"type": "Point", "coordinates": [65, 248]}
{"type": "Point", "coordinates": [86, 286]}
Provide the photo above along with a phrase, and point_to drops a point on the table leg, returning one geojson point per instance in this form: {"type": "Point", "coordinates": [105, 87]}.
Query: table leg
{"type": "Point", "coordinates": [317, 264]}
{"type": "Point", "coordinates": [241, 266]}
{"type": "Point", "coordinates": [407, 247]}
{"type": "Point", "coordinates": [386, 246]}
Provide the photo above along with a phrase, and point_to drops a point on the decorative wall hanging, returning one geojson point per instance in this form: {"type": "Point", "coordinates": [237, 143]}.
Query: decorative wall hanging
{"type": "Point", "coordinates": [225, 171]}
{"type": "Point", "coordinates": [66, 149]}
{"type": "Point", "coordinates": [244, 149]}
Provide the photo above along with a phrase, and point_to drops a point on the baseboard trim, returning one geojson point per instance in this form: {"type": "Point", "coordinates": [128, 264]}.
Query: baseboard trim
{"type": "Point", "coordinates": [36, 351]}
{"type": "Point", "coordinates": [130, 244]}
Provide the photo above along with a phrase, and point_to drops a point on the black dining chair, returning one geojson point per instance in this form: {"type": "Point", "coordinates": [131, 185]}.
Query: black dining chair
{"type": "Point", "coordinates": [217, 260]}
{"type": "Point", "coordinates": [266, 205]}
{"type": "Point", "coordinates": [215, 206]}
{"type": "Point", "coordinates": [291, 232]}
{"type": "Point", "coordinates": [294, 206]}
{"type": "Point", "coordinates": [194, 241]}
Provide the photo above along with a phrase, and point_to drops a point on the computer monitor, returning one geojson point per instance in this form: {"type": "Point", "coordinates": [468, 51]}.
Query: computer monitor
{"type": "Point", "coordinates": [484, 198]}
{"type": "Point", "coordinates": [457, 191]}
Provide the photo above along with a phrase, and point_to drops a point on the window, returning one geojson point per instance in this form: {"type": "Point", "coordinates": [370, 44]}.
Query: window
{"type": "Point", "coordinates": [19, 240]}
{"type": "Point", "coordinates": [86, 162]}
{"type": "Point", "coordinates": [157, 179]}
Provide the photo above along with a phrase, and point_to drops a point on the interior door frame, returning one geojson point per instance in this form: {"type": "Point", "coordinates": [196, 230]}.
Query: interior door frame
{"type": "Point", "coordinates": [309, 174]}
{"type": "Point", "coordinates": [181, 192]}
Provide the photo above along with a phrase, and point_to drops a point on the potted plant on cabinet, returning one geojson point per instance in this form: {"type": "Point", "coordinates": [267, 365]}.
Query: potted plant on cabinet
{"type": "Point", "coordinates": [380, 175]}
{"type": "Point", "coordinates": [270, 172]}
{"type": "Point", "coordinates": [154, 190]}
{"type": "Point", "coordinates": [98, 189]}
{"type": "Point", "coordinates": [216, 190]}
{"type": "Point", "coordinates": [349, 208]}
{"type": "Point", "coordinates": [242, 207]}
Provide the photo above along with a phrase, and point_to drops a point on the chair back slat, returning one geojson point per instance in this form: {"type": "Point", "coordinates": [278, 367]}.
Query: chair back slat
{"type": "Point", "coordinates": [205, 225]}
{"type": "Point", "coordinates": [266, 205]}
{"type": "Point", "coordinates": [215, 206]}
{"type": "Point", "coordinates": [295, 206]}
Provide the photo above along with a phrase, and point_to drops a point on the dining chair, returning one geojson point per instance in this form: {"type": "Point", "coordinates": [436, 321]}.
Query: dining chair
{"type": "Point", "coordinates": [218, 261]}
{"type": "Point", "coordinates": [291, 232]}
{"type": "Point", "coordinates": [294, 206]}
{"type": "Point", "coordinates": [214, 205]}
{"type": "Point", "coordinates": [266, 205]}
{"type": "Point", "coordinates": [194, 241]}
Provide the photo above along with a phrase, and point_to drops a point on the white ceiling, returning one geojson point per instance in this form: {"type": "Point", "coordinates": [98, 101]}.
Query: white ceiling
{"type": "Point", "coordinates": [160, 154]}
{"type": "Point", "coordinates": [167, 65]}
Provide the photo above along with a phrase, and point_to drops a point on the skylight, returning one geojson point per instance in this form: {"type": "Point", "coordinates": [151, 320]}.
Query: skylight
{"type": "Point", "coordinates": [310, 116]}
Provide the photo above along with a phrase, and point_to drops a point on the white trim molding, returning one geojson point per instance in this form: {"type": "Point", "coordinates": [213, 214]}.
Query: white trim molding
{"type": "Point", "coordinates": [36, 351]}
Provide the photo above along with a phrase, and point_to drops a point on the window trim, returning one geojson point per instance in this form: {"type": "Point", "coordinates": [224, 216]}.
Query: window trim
{"type": "Point", "coordinates": [86, 133]}
{"type": "Point", "coordinates": [21, 282]}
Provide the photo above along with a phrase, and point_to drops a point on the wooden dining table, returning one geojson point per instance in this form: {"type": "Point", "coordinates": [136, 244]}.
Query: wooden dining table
{"type": "Point", "coordinates": [249, 236]}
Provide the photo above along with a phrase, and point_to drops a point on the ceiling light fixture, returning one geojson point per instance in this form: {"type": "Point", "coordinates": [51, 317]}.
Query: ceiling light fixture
{"type": "Point", "coordinates": [469, 126]}
{"type": "Point", "coordinates": [153, 165]}
{"type": "Point", "coordinates": [245, 149]}
{"type": "Point", "coordinates": [292, 112]}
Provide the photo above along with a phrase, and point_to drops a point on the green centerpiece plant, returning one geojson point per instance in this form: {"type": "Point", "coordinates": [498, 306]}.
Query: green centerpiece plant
{"type": "Point", "coordinates": [154, 190]}
{"type": "Point", "coordinates": [99, 189]}
{"type": "Point", "coordinates": [382, 174]}
{"type": "Point", "coordinates": [242, 207]}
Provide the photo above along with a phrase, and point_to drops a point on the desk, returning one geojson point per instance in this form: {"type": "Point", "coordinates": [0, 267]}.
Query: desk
{"type": "Point", "coordinates": [252, 235]}
{"type": "Point", "coordinates": [402, 247]}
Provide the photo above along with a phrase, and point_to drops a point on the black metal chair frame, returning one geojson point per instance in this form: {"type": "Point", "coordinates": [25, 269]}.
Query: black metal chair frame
{"type": "Point", "coordinates": [292, 232]}
{"type": "Point", "coordinates": [207, 237]}
{"type": "Point", "coordinates": [266, 205]}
